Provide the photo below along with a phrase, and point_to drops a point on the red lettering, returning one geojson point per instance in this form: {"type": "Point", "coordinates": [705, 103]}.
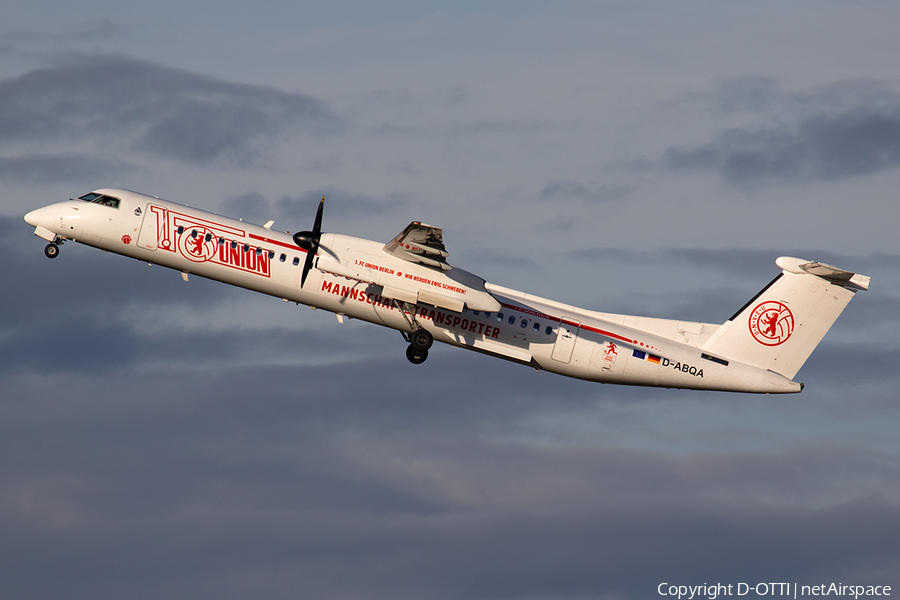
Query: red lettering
{"type": "Point", "coordinates": [234, 256]}
{"type": "Point", "coordinates": [480, 327]}
{"type": "Point", "coordinates": [345, 291]}
{"type": "Point", "coordinates": [456, 321]}
{"type": "Point", "coordinates": [430, 316]}
{"type": "Point", "coordinates": [353, 293]}
{"type": "Point", "coordinates": [263, 263]}
{"type": "Point", "coordinates": [465, 324]}
{"type": "Point", "coordinates": [369, 299]}
{"type": "Point", "coordinates": [326, 286]}
{"type": "Point", "coordinates": [473, 326]}
{"type": "Point", "coordinates": [496, 333]}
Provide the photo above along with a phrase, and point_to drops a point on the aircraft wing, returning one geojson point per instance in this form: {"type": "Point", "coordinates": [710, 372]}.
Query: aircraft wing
{"type": "Point", "coordinates": [420, 243]}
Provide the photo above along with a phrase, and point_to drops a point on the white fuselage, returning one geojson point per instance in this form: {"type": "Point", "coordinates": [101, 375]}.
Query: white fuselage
{"type": "Point", "coordinates": [527, 329]}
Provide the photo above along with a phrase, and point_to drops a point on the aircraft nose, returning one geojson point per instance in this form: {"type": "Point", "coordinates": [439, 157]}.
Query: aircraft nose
{"type": "Point", "coordinates": [34, 217]}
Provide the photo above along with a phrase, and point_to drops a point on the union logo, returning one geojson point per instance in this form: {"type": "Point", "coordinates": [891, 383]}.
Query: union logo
{"type": "Point", "coordinates": [126, 239]}
{"type": "Point", "coordinates": [771, 323]}
{"type": "Point", "coordinates": [197, 244]}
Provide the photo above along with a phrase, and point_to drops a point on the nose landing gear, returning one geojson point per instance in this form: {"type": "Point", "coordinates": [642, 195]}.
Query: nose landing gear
{"type": "Point", "coordinates": [51, 250]}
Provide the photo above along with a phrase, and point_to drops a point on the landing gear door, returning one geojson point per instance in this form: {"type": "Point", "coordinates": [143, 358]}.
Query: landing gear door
{"type": "Point", "coordinates": [566, 336]}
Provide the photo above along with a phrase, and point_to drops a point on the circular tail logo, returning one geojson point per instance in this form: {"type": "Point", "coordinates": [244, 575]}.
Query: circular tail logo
{"type": "Point", "coordinates": [771, 323]}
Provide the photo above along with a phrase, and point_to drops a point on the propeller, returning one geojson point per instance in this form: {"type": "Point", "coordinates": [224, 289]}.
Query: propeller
{"type": "Point", "coordinates": [309, 241]}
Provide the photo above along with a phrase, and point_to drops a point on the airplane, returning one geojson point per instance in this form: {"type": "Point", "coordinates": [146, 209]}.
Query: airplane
{"type": "Point", "coordinates": [407, 284]}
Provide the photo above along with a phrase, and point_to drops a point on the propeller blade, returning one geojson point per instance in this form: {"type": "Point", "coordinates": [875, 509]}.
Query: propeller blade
{"type": "Point", "coordinates": [309, 241]}
{"type": "Point", "coordinates": [307, 265]}
{"type": "Point", "coordinates": [317, 225]}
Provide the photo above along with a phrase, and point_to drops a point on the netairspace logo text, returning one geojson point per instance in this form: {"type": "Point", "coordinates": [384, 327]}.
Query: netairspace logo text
{"type": "Point", "coordinates": [791, 590]}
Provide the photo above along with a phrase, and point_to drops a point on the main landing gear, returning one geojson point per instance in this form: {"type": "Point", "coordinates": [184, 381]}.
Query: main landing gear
{"type": "Point", "coordinates": [419, 342]}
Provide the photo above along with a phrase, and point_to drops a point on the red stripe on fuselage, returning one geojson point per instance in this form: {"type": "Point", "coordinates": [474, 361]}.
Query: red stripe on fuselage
{"type": "Point", "coordinates": [276, 242]}
{"type": "Point", "coordinates": [541, 315]}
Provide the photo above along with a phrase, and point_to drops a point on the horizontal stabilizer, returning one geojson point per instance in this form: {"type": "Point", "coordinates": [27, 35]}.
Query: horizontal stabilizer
{"type": "Point", "coordinates": [825, 271]}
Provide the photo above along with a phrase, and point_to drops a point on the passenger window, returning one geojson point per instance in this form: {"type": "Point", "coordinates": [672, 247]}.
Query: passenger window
{"type": "Point", "coordinates": [271, 254]}
{"type": "Point", "coordinates": [523, 324]}
{"type": "Point", "coordinates": [512, 319]}
{"type": "Point", "coordinates": [258, 251]}
{"type": "Point", "coordinates": [475, 312]}
{"type": "Point", "coordinates": [537, 326]}
{"type": "Point", "coordinates": [208, 237]}
{"type": "Point", "coordinates": [549, 330]}
{"type": "Point", "coordinates": [180, 230]}
{"type": "Point", "coordinates": [221, 241]}
{"type": "Point", "coordinates": [500, 317]}
{"type": "Point", "coordinates": [296, 260]}
{"type": "Point", "coordinates": [194, 233]}
{"type": "Point", "coordinates": [246, 247]}
{"type": "Point", "coordinates": [283, 257]}
{"type": "Point", "coordinates": [233, 244]}
{"type": "Point", "coordinates": [487, 315]}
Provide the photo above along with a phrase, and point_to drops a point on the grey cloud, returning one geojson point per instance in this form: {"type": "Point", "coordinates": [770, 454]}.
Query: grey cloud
{"type": "Point", "coordinates": [86, 31]}
{"type": "Point", "coordinates": [252, 207]}
{"type": "Point", "coordinates": [193, 480]}
{"type": "Point", "coordinates": [39, 169]}
{"type": "Point", "coordinates": [299, 212]}
{"type": "Point", "coordinates": [847, 129]}
{"type": "Point", "coordinates": [738, 262]}
{"type": "Point", "coordinates": [754, 95]}
{"type": "Point", "coordinates": [339, 203]}
{"type": "Point", "coordinates": [116, 101]}
{"type": "Point", "coordinates": [563, 189]}
{"type": "Point", "coordinates": [491, 127]}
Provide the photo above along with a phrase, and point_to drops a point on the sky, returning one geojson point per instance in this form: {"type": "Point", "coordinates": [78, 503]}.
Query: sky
{"type": "Point", "coordinates": [190, 440]}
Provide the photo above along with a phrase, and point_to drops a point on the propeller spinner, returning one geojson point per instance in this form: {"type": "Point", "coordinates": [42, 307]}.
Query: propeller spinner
{"type": "Point", "coordinates": [309, 241]}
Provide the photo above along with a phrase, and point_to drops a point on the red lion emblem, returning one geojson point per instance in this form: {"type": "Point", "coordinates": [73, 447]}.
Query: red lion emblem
{"type": "Point", "coordinates": [126, 239]}
{"type": "Point", "coordinates": [771, 323]}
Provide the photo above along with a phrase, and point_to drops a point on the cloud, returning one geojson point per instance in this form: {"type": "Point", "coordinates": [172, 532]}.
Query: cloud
{"type": "Point", "coordinates": [573, 190]}
{"type": "Point", "coordinates": [46, 168]}
{"type": "Point", "coordinates": [76, 32]}
{"type": "Point", "coordinates": [115, 102]}
{"type": "Point", "coordinates": [251, 207]}
{"type": "Point", "coordinates": [338, 203]}
{"type": "Point", "coordinates": [829, 133]}
{"type": "Point", "coordinates": [192, 479]}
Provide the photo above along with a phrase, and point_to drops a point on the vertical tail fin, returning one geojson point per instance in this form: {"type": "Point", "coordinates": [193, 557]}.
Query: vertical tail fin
{"type": "Point", "coordinates": [780, 327]}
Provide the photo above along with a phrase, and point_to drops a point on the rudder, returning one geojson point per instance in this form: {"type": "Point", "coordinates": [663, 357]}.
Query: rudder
{"type": "Point", "coordinates": [780, 327]}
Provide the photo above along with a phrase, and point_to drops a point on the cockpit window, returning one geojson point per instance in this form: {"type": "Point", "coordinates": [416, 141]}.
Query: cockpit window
{"type": "Point", "coordinates": [95, 198]}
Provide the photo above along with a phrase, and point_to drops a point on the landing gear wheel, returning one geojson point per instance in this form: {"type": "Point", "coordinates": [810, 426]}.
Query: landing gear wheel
{"type": "Point", "coordinates": [415, 355]}
{"type": "Point", "coordinates": [51, 250]}
{"type": "Point", "coordinates": [421, 339]}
